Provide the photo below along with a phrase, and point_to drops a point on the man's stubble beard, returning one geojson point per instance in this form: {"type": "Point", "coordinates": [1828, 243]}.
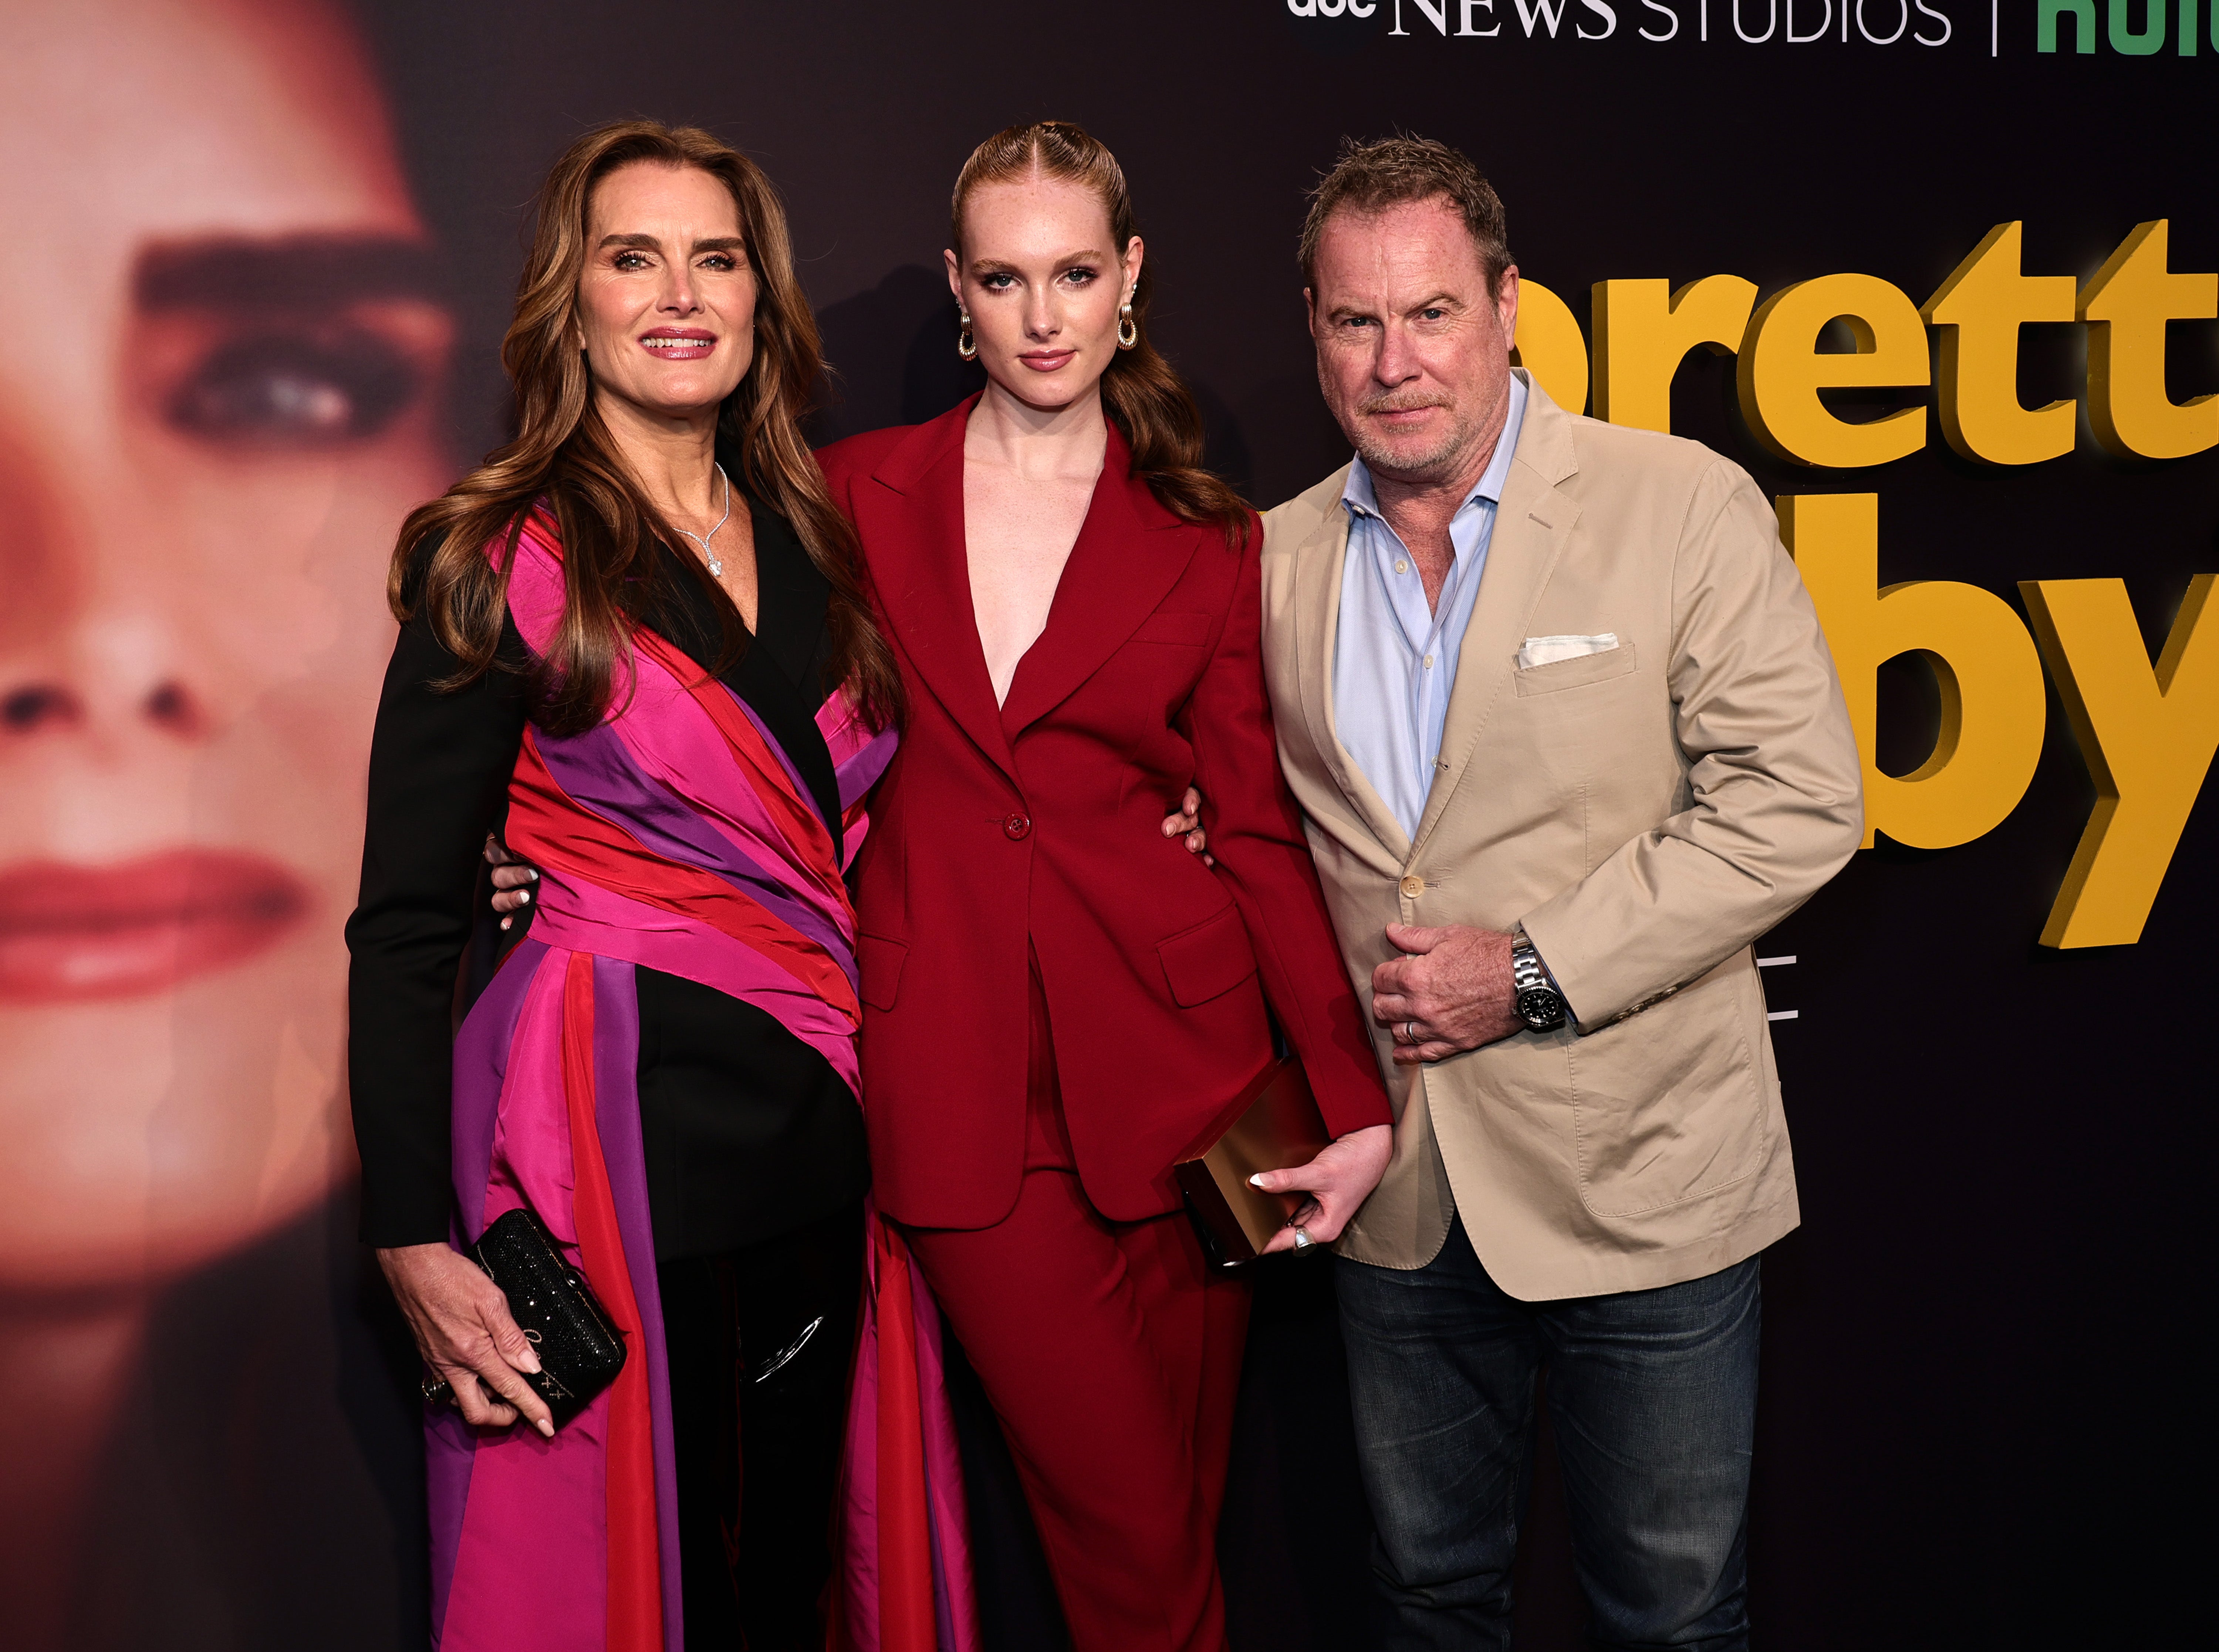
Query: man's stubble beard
{"type": "Point", "coordinates": [1443, 461]}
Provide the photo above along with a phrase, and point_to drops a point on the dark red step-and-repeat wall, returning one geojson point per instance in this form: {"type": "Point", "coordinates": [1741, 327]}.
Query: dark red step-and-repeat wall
{"type": "Point", "coordinates": [255, 259]}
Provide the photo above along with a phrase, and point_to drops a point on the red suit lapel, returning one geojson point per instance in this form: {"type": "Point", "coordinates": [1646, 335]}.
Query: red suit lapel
{"type": "Point", "coordinates": [1126, 561]}
{"type": "Point", "coordinates": [911, 521]}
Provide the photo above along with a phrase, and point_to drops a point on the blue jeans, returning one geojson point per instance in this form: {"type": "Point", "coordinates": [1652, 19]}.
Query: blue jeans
{"type": "Point", "coordinates": [1652, 1394]}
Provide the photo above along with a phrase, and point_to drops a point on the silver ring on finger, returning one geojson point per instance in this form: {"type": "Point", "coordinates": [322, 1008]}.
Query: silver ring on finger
{"type": "Point", "coordinates": [1302, 1240]}
{"type": "Point", "coordinates": [1410, 1032]}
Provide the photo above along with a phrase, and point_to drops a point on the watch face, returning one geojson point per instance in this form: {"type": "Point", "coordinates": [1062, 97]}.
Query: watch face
{"type": "Point", "coordinates": [1540, 1007]}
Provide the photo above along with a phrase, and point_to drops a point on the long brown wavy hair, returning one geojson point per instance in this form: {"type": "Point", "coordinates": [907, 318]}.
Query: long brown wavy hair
{"type": "Point", "coordinates": [563, 453]}
{"type": "Point", "coordinates": [1145, 395]}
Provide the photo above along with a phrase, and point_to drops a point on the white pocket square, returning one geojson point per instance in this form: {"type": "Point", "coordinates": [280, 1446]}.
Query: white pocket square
{"type": "Point", "coordinates": [1547, 650]}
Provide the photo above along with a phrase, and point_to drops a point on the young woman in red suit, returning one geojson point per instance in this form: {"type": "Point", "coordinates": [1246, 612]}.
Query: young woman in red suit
{"type": "Point", "coordinates": [1049, 1019]}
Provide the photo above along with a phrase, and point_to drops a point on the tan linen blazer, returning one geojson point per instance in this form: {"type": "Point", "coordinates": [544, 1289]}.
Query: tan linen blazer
{"type": "Point", "coordinates": [1646, 813]}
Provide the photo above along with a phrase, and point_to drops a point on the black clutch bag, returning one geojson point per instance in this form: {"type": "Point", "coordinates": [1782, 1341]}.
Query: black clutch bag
{"type": "Point", "coordinates": [580, 1348]}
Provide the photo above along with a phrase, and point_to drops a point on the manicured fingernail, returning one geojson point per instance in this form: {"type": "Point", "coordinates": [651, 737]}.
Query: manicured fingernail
{"type": "Point", "coordinates": [522, 896]}
{"type": "Point", "coordinates": [1257, 1180]}
{"type": "Point", "coordinates": [505, 922]}
{"type": "Point", "coordinates": [535, 874]}
{"type": "Point", "coordinates": [546, 1428]}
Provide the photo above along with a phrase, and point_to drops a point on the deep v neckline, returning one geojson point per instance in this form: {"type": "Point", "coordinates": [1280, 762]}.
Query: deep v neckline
{"type": "Point", "coordinates": [1055, 592]}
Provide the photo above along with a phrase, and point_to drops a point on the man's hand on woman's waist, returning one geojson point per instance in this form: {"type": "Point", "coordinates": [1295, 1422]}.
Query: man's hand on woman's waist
{"type": "Point", "coordinates": [513, 878]}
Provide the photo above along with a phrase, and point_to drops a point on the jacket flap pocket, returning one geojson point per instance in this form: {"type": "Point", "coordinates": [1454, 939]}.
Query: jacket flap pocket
{"type": "Point", "coordinates": [1189, 629]}
{"type": "Point", "coordinates": [879, 962]}
{"type": "Point", "coordinates": [1212, 958]}
{"type": "Point", "coordinates": [1576, 672]}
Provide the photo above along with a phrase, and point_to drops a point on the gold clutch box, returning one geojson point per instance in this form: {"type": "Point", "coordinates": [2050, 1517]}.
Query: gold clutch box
{"type": "Point", "coordinates": [1273, 1124]}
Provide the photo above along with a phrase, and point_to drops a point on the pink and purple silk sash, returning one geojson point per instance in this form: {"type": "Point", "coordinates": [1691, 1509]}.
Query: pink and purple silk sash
{"type": "Point", "coordinates": [675, 834]}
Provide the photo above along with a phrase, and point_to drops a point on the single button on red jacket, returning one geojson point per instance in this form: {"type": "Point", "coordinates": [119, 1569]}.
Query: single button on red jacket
{"type": "Point", "coordinates": [1036, 827]}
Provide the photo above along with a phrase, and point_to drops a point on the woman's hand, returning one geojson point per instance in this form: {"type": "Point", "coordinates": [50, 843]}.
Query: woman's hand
{"type": "Point", "coordinates": [465, 1332]}
{"type": "Point", "coordinates": [1338, 1181]}
{"type": "Point", "coordinates": [1186, 822]}
{"type": "Point", "coordinates": [512, 880]}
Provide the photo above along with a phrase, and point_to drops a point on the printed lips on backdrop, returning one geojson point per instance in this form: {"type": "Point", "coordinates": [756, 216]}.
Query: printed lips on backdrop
{"type": "Point", "coordinates": [1940, 274]}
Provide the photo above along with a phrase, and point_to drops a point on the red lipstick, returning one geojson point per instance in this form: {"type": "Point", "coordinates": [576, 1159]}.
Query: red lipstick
{"type": "Point", "coordinates": [70, 932]}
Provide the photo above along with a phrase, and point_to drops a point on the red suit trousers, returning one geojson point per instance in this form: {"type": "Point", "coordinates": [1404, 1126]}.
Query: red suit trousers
{"type": "Point", "coordinates": [1111, 1352]}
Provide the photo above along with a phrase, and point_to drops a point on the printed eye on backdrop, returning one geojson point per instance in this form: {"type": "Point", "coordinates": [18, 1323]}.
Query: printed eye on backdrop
{"type": "Point", "coordinates": [308, 390]}
{"type": "Point", "coordinates": [301, 342]}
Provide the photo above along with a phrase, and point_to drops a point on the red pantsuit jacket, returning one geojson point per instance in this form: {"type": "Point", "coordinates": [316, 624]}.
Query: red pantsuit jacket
{"type": "Point", "coordinates": [1035, 829]}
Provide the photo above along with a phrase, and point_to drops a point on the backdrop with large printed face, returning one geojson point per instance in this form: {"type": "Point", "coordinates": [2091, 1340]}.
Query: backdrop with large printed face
{"type": "Point", "coordinates": [243, 239]}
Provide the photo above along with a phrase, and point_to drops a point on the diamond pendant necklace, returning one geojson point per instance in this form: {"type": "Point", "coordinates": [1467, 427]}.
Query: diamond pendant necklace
{"type": "Point", "coordinates": [716, 567]}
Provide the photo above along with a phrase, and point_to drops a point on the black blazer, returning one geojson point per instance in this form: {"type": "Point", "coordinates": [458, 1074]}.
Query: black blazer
{"type": "Point", "coordinates": [748, 1131]}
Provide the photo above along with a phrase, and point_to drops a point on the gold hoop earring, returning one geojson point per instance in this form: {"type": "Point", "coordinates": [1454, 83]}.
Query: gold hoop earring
{"type": "Point", "coordinates": [965, 345]}
{"type": "Point", "coordinates": [1129, 330]}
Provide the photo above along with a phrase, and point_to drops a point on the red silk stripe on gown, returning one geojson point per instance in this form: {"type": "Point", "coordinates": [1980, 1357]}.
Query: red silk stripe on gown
{"type": "Point", "coordinates": [795, 816]}
{"type": "Point", "coordinates": [907, 1620]}
{"type": "Point", "coordinates": [547, 828]}
{"type": "Point", "coordinates": [635, 1561]}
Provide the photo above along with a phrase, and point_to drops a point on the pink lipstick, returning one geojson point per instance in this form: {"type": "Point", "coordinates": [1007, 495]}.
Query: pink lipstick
{"type": "Point", "coordinates": [74, 933]}
{"type": "Point", "coordinates": [678, 344]}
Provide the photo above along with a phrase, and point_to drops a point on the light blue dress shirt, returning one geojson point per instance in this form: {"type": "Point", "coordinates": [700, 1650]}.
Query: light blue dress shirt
{"type": "Point", "coordinates": [1395, 659]}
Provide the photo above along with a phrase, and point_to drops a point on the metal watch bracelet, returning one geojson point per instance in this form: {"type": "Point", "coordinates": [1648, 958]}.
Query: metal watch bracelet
{"type": "Point", "coordinates": [1528, 974]}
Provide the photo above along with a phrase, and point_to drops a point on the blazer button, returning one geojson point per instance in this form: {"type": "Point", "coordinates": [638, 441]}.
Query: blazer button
{"type": "Point", "coordinates": [1019, 828]}
{"type": "Point", "coordinates": [1412, 887]}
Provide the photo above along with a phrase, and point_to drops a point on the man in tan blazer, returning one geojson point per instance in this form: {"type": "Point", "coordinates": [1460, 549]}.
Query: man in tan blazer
{"type": "Point", "coordinates": [1569, 739]}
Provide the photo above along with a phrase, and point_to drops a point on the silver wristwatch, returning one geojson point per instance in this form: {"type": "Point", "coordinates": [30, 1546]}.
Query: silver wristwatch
{"type": "Point", "coordinates": [1539, 1005]}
